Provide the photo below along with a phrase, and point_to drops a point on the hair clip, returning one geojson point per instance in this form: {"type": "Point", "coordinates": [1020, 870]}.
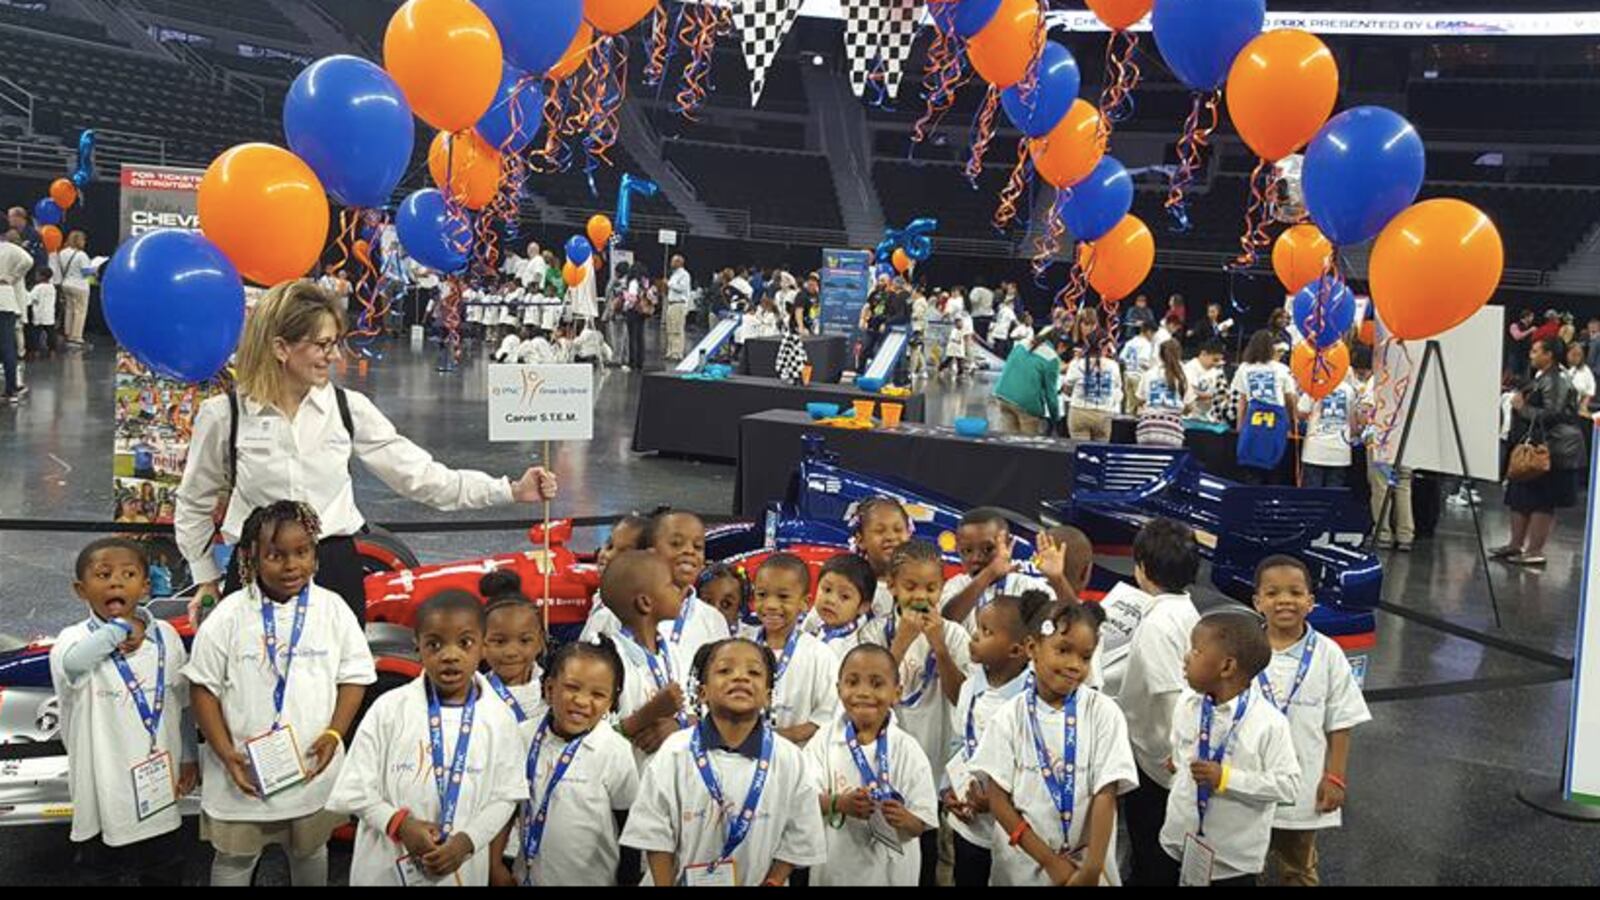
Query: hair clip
{"type": "Point", "coordinates": [1047, 628]}
{"type": "Point", "coordinates": [594, 639]}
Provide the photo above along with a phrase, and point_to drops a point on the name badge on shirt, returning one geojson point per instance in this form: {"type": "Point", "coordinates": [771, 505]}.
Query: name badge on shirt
{"type": "Point", "coordinates": [1358, 670]}
{"type": "Point", "coordinates": [155, 785]}
{"type": "Point", "coordinates": [960, 775]}
{"type": "Point", "coordinates": [275, 759]}
{"type": "Point", "coordinates": [882, 832]}
{"type": "Point", "coordinates": [722, 875]}
{"type": "Point", "coordinates": [256, 432]}
{"type": "Point", "coordinates": [1198, 862]}
{"type": "Point", "coordinates": [412, 874]}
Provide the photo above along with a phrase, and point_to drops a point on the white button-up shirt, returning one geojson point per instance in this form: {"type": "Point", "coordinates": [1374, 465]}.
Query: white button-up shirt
{"type": "Point", "coordinates": [307, 458]}
{"type": "Point", "coordinates": [15, 264]}
{"type": "Point", "coordinates": [679, 285]}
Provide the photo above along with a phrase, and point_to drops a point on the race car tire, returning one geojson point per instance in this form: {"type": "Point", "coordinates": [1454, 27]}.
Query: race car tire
{"type": "Point", "coordinates": [381, 551]}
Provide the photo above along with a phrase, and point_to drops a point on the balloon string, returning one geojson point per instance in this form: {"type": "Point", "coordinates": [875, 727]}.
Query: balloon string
{"type": "Point", "coordinates": [1016, 186]}
{"type": "Point", "coordinates": [1047, 243]}
{"type": "Point", "coordinates": [657, 65]}
{"type": "Point", "coordinates": [1255, 237]}
{"type": "Point", "coordinates": [1390, 420]}
{"type": "Point", "coordinates": [699, 34]}
{"type": "Point", "coordinates": [942, 72]}
{"type": "Point", "coordinates": [1197, 129]}
{"type": "Point", "coordinates": [1122, 79]}
{"type": "Point", "coordinates": [450, 316]}
{"type": "Point", "coordinates": [345, 239]}
{"type": "Point", "coordinates": [368, 292]}
{"type": "Point", "coordinates": [603, 99]}
{"type": "Point", "coordinates": [543, 159]}
{"type": "Point", "coordinates": [1072, 293]}
{"type": "Point", "coordinates": [983, 133]}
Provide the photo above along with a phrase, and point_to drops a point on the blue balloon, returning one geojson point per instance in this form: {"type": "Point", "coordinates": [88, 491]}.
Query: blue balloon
{"type": "Point", "coordinates": [425, 231]}
{"type": "Point", "coordinates": [631, 184]}
{"type": "Point", "coordinates": [1052, 95]}
{"type": "Point", "coordinates": [578, 250]}
{"type": "Point", "coordinates": [351, 124]}
{"type": "Point", "coordinates": [534, 33]}
{"type": "Point", "coordinates": [1338, 316]}
{"type": "Point", "coordinates": [1200, 38]}
{"type": "Point", "coordinates": [84, 173]}
{"type": "Point", "coordinates": [1096, 204]}
{"type": "Point", "coordinates": [972, 15]}
{"type": "Point", "coordinates": [47, 212]}
{"type": "Point", "coordinates": [175, 302]}
{"type": "Point", "coordinates": [528, 103]}
{"type": "Point", "coordinates": [1361, 170]}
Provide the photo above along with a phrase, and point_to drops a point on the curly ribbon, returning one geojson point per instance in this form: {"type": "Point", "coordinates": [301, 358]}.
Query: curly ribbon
{"type": "Point", "coordinates": [546, 158]}
{"type": "Point", "coordinates": [1072, 293]}
{"type": "Point", "coordinates": [1263, 181]}
{"type": "Point", "coordinates": [370, 294]}
{"type": "Point", "coordinates": [699, 34]}
{"type": "Point", "coordinates": [1016, 185]}
{"type": "Point", "coordinates": [450, 321]}
{"type": "Point", "coordinates": [877, 80]}
{"type": "Point", "coordinates": [944, 71]}
{"type": "Point", "coordinates": [1122, 79]}
{"type": "Point", "coordinates": [982, 134]}
{"type": "Point", "coordinates": [605, 91]}
{"type": "Point", "coordinates": [1047, 242]}
{"type": "Point", "coordinates": [1197, 130]}
{"type": "Point", "coordinates": [656, 67]}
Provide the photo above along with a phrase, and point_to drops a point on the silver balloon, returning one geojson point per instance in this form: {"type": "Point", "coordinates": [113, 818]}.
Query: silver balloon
{"type": "Point", "coordinates": [1288, 200]}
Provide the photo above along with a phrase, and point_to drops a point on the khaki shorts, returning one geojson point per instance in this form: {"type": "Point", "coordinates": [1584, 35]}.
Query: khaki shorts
{"type": "Point", "coordinates": [299, 837]}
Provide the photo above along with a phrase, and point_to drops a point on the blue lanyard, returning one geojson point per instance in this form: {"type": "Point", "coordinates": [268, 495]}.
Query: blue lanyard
{"type": "Point", "coordinates": [149, 711]}
{"type": "Point", "coordinates": [831, 634]}
{"type": "Point", "coordinates": [1299, 676]}
{"type": "Point", "coordinates": [1060, 776]}
{"type": "Point", "coordinates": [533, 834]}
{"type": "Point", "coordinates": [739, 827]}
{"type": "Point", "coordinates": [1207, 710]}
{"type": "Point", "coordinates": [928, 667]}
{"type": "Point", "coordinates": [876, 783]}
{"type": "Point", "coordinates": [504, 693]}
{"type": "Point", "coordinates": [784, 657]}
{"type": "Point", "coordinates": [969, 742]}
{"type": "Point", "coordinates": [682, 618]}
{"type": "Point", "coordinates": [269, 628]}
{"type": "Point", "coordinates": [660, 669]}
{"type": "Point", "coordinates": [449, 786]}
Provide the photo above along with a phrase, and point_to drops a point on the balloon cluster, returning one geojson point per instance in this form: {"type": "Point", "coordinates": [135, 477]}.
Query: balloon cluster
{"type": "Point", "coordinates": [50, 211]}
{"type": "Point", "coordinates": [903, 248]}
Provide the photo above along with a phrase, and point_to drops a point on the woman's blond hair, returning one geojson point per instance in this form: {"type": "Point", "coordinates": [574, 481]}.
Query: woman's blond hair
{"type": "Point", "coordinates": [294, 311]}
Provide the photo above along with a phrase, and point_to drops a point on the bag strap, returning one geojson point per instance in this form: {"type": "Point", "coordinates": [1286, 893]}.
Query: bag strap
{"type": "Point", "coordinates": [233, 438]}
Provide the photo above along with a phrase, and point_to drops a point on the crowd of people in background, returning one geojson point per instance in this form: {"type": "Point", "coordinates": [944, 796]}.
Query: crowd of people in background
{"type": "Point", "coordinates": [44, 298]}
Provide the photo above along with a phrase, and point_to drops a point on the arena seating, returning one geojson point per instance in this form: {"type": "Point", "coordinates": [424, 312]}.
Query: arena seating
{"type": "Point", "coordinates": [45, 20]}
{"type": "Point", "coordinates": [777, 187]}
{"type": "Point", "coordinates": [251, 18]}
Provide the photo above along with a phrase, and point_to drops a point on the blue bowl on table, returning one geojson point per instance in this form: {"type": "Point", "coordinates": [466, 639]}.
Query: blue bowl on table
{"type": "Point", "coordinates": [822, 410]}
{"type": "Point", "coordinates": [972, 427]}
{"type": "Point", "coordinates": [870, 385]}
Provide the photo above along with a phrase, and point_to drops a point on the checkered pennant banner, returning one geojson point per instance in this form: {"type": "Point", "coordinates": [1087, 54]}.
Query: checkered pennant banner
{"type": "Point", "coordinates": [879, 32]}
{"type": "Point", "coordinates": [762, 26]}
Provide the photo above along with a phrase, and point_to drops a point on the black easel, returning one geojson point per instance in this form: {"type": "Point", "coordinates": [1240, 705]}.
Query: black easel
{"type": "Point", "coordinates": [1429, 352]}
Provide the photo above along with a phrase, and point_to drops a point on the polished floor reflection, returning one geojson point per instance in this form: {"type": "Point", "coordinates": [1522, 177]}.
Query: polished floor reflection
{"type": "Point", "coordinates": [1464, 712]}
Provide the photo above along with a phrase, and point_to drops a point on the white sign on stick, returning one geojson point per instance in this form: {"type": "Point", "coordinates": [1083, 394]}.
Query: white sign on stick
{"type": "Point", "coordinates": [667, 237]}
{"type": "Point", "coordinates": [1583, 743]}
{"type": "Point", "coordinates": [1471, 353]}
{"type": "Point", "coordinates": [541, 402]}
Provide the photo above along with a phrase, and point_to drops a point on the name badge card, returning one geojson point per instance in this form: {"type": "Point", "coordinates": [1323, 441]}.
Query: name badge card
{"type": "Point", "coordinates": [412, 874]}
{"type": "Point", "coordinates": [1198, 862]}
{"type": "Point", "coordinates": [275, 758]}
{"type": "Point", "coordinates": [706, 876]}
{"type": "Point", "coordinates": [884, 833]}
{"type": "Point", "coordinates": [155, 787]}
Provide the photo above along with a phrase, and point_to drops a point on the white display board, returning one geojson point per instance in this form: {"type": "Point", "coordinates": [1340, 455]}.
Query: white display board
{"type": "Point", "coordinates": [541, 402]}
{"type": "Point", "coordinates": [1582, 778]}
{"type": "Point", "coordinates": [1471, 353]}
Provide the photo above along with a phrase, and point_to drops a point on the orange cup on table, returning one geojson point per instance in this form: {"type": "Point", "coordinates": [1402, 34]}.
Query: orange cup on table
{"type": "Point", "coordinates": [891, 413]}
{"type": "Point", "coordinates": [805, 374]}
{"type": "Point", "coordinates": [864, 409]}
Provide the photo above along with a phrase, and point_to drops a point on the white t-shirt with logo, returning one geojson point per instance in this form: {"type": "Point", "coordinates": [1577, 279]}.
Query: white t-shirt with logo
{"type": "Point", "coordinates": [1328, 429]}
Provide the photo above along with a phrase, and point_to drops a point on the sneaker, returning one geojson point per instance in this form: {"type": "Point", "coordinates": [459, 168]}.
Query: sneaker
{"type": "Point", "coordinates": [1507, 552]}
{"type": "Point", "coordinates": [22, 391]}
{"type": "Point", "coordinates": [12, 399]}
{"type": "Point", "coordinates": [1403, 548]}
{"type": "Point", "coordinates": [1523, 559]}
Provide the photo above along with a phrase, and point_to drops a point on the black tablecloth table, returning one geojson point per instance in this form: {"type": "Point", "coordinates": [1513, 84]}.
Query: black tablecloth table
{"type": "Point", "coordinates": [701, 418]}
{"type": "Point", "coordinates": [826, 353]}
{"type": "Point", "coordinates": [998, 470]}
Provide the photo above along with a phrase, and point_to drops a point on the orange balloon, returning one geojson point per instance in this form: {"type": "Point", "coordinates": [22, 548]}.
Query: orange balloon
{"type": "Point", "coordinates": [1300, 256]}
{"type": "Point", "coordinates": [64, 193]}
{"type": "Point", "coordinates": [599, 230]}
{"type": "Point", "coordinates": [265, 209]}
{"type": "Point", "coordinates": [363, 253]}
{"type": "Point", "coordinates": [1119, 262]}
{"type": "Point", "coordinates": [616, 16]}
{"type": "Point", "coordinates": [445, 55]}
{"type": "Point", "coordinates": [1002, 50]}
{"type": "Point", "coordinates": [900, 261]}
{"type": "Point", "coordinates": [1120, 15]}
{"type": "Point", "coordinates": [1069, 153]}
{"type": "Point", "coordinates": [50, 236]}
{"type": "Point", "coordinates": [1433, 266]}
{"type": "Point", "coordinates": [576, 53]}
{"type": "Point", "coordinates": [474, 167]}
{"type": "Point", "coordinates": [572, 274]}
{"type": "Point", "coordinates": [1318, 381]}
{"type": "Point", "coordinates": [1281, 90]}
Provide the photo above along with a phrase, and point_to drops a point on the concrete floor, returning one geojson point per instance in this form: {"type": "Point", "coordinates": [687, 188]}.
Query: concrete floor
{"type": "Point", "coordinates": [1464, 712]}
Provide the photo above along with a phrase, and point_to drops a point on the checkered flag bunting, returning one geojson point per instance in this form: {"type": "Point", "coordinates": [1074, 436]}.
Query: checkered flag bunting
{"type": "Point", "coordinates": [877, 36]}
{"type": "Point", "coordinates": [763, 24]}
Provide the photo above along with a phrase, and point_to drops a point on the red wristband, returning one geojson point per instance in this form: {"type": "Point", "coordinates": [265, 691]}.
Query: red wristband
{"type": "Point", "coordinates": [1335, 780]}
{"type": "Point", "coordinates": [1021, 829]}
{"type": "Point", "coordinates": [395, 821]}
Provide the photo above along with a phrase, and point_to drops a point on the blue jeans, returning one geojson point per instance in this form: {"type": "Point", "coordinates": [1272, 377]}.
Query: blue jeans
{"type": "Point", "coordinates": [8, 350]}
{"type": "Point", "coordinates": [1315, 476]}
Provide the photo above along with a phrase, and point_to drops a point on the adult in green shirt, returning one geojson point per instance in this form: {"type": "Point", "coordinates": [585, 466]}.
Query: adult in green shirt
{"type": "Point", "coordinates": [1029, 389]}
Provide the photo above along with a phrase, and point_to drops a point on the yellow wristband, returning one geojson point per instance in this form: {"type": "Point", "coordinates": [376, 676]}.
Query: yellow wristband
{"type": "Point", "coordinates": [1222, 783]}
{"type": "Point", "coordinates": [336, 735]}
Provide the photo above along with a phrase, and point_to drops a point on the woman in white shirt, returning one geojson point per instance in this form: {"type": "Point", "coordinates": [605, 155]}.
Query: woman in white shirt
{"type": "Point", "coordinates": [1582, 377]}
{"type": "Point", "coordinates": [287, 433]}
{"type": "Point", "coordinates": [66, 269]}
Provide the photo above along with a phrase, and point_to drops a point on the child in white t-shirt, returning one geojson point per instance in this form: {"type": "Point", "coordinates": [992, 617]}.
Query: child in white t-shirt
{"type": "Point", "coordinates": [804, 691]}
{"type": "Point", "coordinates": [844, 589]}
{"type": "Point", "coordinates": [1310, 682]}
{"type": "Point", "coordinates": [728, 801]}
{"type": "Point", "coordinates": [435, 771]}
{"type": "Point", "coordinates": [882, 525]}
{"type": "Point", "coordinates": [1260, 378]}
{"type": "Point", "coordinates": [876, 784]}
{"type": "Point", "coordinates": [1329, 430]}
{"type": "Point", "coordinates": [637, 588]}
{"type": "Point", "coordinates": [275, 723]}
{"type": "Point", "coordinates": [1093, 385]}
{"type": "Point", "coordinates": [42, 308]}
{"type": "Point", "coordinates": [1057, 757]}
{"type": "Point", "coordinates": [625, 535]}
{"type": "Point", "coordinates": [124, 709]}
{"type": "Point", "coordinates": [513, 643]}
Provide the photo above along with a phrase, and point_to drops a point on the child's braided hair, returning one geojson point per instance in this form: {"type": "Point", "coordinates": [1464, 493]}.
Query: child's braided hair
{"type": "Point", "coordinates": [263, 523]}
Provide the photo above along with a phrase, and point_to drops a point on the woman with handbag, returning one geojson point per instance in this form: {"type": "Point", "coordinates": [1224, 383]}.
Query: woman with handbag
{"type": "Point", "coordinates": [1547, 451]}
